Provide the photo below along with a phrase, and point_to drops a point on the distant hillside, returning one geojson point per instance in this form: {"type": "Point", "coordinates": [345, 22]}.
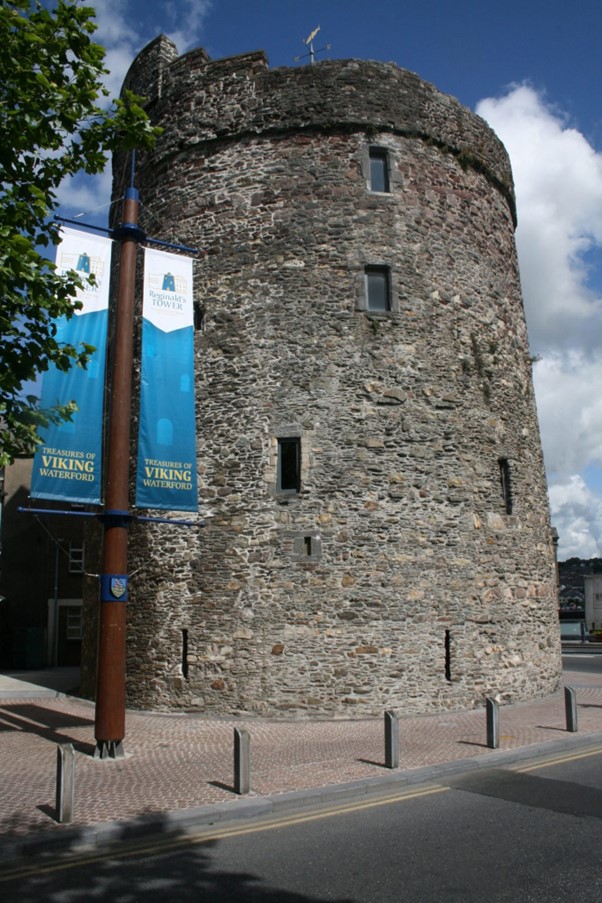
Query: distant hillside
{"type": "Point", "coordinates": [571, 574]}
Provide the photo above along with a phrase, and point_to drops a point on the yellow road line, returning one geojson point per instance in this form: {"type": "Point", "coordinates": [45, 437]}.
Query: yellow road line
{"type": "Point", "coordinates": [215, 833]}
{"type": "Point", "coordinates": [559, 760]}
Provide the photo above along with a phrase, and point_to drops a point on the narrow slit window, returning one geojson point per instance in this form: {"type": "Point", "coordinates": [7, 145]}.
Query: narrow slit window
{"type": "Point", "coordinates": [448, 655]}
{"type": "Point", "coordinates": [379, 169]}
{"type": "Point", "coordinates": [198, 316]}
{"type": "Point", "coordinates": [307, 545]}
{"type": "Point", "coordinates": [505, 484]}
{"type": "Point", "coordinates": [289, 465]}
{"type": "Point", "coordinates": [378, 288]}
{"type": "Point", "coordinates": [185, 654]}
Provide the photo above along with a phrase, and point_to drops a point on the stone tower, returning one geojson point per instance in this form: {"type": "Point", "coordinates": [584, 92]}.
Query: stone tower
{"type": "Point", "coordinates": [376, 520]}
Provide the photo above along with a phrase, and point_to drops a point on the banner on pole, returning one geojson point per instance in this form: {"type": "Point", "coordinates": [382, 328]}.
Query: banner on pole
{"type": "Point", "coordinates": [68, 464]}
{"type": "Point", "coordinates": [166, 476]}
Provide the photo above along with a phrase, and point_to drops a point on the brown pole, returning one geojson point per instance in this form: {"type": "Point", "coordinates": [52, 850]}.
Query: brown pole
{"type": "Point", "coordinates": [110, 681]}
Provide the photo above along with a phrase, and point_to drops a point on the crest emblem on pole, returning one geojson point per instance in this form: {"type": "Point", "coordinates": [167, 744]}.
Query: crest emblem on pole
{"type": "Point", "coordinates": [118, 586]}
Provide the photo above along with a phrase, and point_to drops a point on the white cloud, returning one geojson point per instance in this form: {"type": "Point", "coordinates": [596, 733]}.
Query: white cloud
{"type": "Point", "coordinates": [185, 20]}
{"type": "Point", "coordinates": [577, 515]}
{"type": "Point", "coordinates": [568, 388]}
{"type": "Point", "coordinates": [558, 180]}
{"type": "Point", "coordinates": [90, 195]}
{"type": "Point", "coordinates": [120, 38]}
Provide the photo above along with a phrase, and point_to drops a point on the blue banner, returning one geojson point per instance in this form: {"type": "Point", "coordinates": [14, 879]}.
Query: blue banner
{"type": "Point", "coordinates": [166, 476]}
{"type": "Point", "coordinates": [68, 464]}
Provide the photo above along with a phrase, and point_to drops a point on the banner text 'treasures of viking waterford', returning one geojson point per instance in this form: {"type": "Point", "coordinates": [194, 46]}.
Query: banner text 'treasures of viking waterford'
{"type": "Point", "coordinates": [167, 475]}
{"type": "Point", "coordinates": [61, 464]}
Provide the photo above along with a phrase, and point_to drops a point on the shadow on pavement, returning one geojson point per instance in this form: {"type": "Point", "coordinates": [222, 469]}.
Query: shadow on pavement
{"type": "Point", "coordinates": [166, 866]}
{"type": "Point", "coordinates": [372, 762]}
{"type": "Point", "coordinates": [47, 723]}
{"type": "Point", "coordinates": [472, 743]}
{"type": "Point", "coordinates": [564, 797]}
{"type": "Point", "coordinates": [221, 786]}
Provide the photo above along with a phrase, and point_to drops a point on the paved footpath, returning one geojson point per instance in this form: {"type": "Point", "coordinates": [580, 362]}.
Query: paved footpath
{"type": "Point", "coordinates": [178, 769]}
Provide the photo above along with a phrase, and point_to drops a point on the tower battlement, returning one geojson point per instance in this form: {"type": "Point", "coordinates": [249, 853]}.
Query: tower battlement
{"type": "Point", "coordinates": [200, 100]}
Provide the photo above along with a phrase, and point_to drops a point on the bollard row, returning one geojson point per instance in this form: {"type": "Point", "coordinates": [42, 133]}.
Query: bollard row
{"type": "Point", "coordinates": [242, 740]}
{"type": "Point", "coordinates": [65, 759]}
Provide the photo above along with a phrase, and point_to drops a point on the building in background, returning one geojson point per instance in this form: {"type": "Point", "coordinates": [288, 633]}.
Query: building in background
{"type": "Point", "coordinates": [593, 602]}
{"type": "Point", "coordinates": [41, 570]}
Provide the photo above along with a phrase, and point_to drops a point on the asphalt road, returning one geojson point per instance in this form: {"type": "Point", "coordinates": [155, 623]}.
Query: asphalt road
{"type": "Point", "coordinates": [529, 833]}
{"type": "Point", "coordinates": [588, 662]}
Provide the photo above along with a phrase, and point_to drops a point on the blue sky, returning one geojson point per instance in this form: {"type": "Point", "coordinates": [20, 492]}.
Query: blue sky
{"type": "Point", "coordinates": [534, 71]}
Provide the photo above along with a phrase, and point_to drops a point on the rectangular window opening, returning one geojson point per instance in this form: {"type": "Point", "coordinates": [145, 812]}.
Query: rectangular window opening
{"type": "Point", "coordinates": [76, 558]}
{"type": "Point", "coordinates": [378, 288]}
{"type": "Point", "coordinates": [379, 169]}
{"type": "Point", "coordinates": [505, 484]}
{"type": "Point", "coordinates": [307, 545]}
{"type": "Point", "coordinates": [289, 465]}
{"type": "Point", "coordinates": [74, 622]}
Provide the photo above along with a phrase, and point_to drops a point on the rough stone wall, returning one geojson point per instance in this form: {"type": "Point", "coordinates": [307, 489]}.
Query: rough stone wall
{"type": "Point", "coordinates": [396, 577]}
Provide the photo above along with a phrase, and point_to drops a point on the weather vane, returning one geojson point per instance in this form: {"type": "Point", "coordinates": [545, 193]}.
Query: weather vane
{"type": "Point", "coordinates": [309, 42]}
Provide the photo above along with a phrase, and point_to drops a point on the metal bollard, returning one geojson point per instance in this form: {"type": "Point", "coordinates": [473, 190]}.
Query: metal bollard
{"type": "Point", "coordinates": [391, 740]}
{"type": "Point", "coordinates": [570, 707]}
{"type": "Point", "coordinates": [65, 782]}
{"type": "Point", "coordinates": [493, 723]}
{"type": "Point", "coordinates": [242, 761]}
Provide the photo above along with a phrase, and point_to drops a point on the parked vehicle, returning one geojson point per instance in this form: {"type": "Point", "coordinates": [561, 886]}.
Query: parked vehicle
{"type": "Point", "coordinates": [572, 625]}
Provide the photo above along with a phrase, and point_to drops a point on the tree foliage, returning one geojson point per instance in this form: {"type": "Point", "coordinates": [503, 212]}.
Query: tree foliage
{"type": "Point", "coordinates": [54, 124]}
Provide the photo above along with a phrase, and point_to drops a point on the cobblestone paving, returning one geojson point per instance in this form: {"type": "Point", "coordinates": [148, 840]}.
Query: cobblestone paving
{"type": "Point", "coordinates": [178, 761]}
